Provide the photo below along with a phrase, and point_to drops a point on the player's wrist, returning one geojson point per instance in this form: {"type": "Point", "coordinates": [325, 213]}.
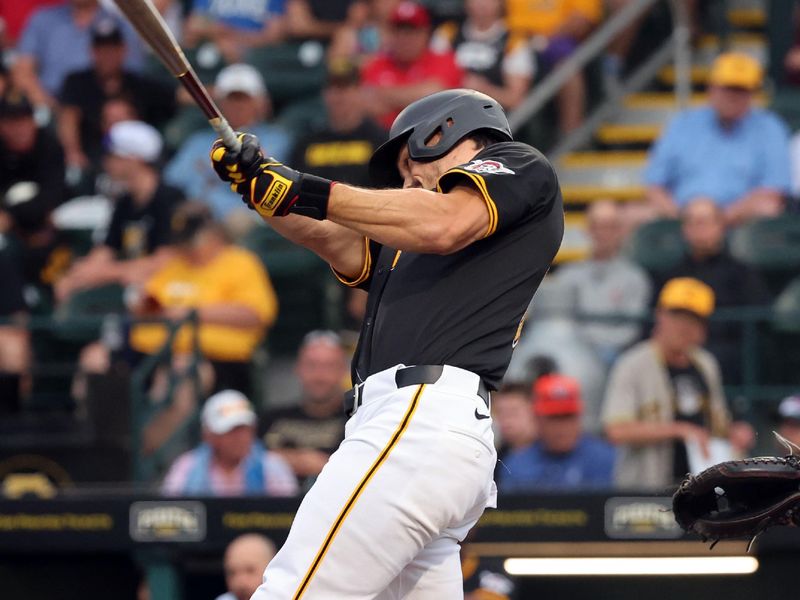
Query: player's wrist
{"type": "Point", "coordinates": [313, 196]}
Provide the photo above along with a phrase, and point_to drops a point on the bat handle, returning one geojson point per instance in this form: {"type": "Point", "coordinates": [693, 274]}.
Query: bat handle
{"type": "Point", "coordinates": [227, 134]}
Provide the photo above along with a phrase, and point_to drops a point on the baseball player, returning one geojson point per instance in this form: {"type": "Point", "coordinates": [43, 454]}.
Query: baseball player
{"type": "Point", "coordinates": [450, 261]}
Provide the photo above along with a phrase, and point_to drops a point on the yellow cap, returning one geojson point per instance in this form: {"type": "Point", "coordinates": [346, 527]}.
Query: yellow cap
{"type": "Point", "coordinates": [686, 293]}
{"type": "Point", "coordinates": [736, 69]}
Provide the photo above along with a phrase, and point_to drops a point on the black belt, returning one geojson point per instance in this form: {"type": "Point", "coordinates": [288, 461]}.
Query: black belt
{"type": "Point", "coordinates": [417, 375]}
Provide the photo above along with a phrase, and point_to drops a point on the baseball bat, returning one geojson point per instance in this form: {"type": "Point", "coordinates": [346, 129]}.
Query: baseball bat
{"type": "Point", "coordinates": [147, 21]}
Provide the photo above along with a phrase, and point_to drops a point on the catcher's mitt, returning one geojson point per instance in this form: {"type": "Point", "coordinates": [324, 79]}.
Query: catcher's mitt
{"type": "Point", "coordinates": [740, 498]}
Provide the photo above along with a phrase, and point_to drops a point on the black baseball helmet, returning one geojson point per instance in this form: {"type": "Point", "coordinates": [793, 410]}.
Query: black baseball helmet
{"type": "Point", "coordinates": [453, 113]}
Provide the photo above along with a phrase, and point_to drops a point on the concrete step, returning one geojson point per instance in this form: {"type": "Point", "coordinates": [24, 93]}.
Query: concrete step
{"type": "Point", "coordinates": [747, 14]}
{"type": "Point", "coordinates": [588, 176]}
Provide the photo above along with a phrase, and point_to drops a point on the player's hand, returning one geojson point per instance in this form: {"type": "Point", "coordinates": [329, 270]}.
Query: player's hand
{"type": "Point", "coordinates": [267, 186]}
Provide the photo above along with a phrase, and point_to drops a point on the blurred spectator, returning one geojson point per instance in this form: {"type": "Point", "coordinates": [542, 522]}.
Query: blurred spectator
{"type": "Point", "coordinates": [666, 392]}
{"type": "Point", "coordinates": [230, 461]}
{"type": "Point", "coordinates": [246, 557]}
{"type": "Point", "coordinates": [226, 285]}
{"type": "Point", "coordinates": [794, 156]}
{"type": "Point", "coordinates": [495, 62]}
{"type": "Point", "coordinates": [407, 69]}
{"type": "Point", "coordinates": [606, 284]}
{"type": "Point", "coordinates": [791, 62]}
{"type": "Point", "coordinates": [341, 151]}
{"type": "Point", "coordinates": [235, 27]}
{"type": "Point", "coordinates": [85, 92]}
{"type": "Point", "coordinates": [43, 252]}
{"type": "Point", "coordinates": [557, 27]}
{"type": "Point", "coordinates": [15, 14]}
{"type": "Point", "coordinates": [734, 283]}
{"type": "Point", "coordinates": [28, 153]}
{"type": "Point", "coordinates": [140, 224]}
{"type": "Point", "coordinates": [244, 101]}
{"type": "Point", "coordinates": [315, 19]}
{"type": "Point", "coordinates": [513, 418]}
{"type": "Point", "coordinates": [728, 151]}
{"type": "Point", "coordinates": [563, 456]}
{"type": "Point", "coordinates": [14, 339]}
{"type": "Point", "coordinates": [55, 42]}
{"type": "Point", "coordinates": [365, 31]}
{"type": "Point", "coordinates": [788, 418]}
{"type": "Point", "coordinates": [309, 431]}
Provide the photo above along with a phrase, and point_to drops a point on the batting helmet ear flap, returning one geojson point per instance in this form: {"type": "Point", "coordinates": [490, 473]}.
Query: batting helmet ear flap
{"type": "Point", "coordinates": [453, 113]}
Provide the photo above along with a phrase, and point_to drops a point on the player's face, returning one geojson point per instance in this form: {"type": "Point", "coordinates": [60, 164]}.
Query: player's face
{"type": "Point", "coordinates": [426, 174]}
{"type": "Point", "coordinates": [559, 434]}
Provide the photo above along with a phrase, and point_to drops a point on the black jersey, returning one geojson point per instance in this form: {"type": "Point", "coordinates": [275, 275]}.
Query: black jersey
{"type": "Point", "coordinates": [465, 309]}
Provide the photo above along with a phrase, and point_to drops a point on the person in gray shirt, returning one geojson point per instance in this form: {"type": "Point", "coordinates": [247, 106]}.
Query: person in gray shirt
{"type": "Point", "coordinates": [606, 284]}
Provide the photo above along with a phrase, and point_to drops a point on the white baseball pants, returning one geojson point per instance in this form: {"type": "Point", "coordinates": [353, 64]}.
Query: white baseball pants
{"type": "Point", "coordinates": [386, 514]}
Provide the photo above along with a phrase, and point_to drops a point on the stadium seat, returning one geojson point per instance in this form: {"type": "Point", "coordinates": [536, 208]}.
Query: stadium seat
{"type": "Point", "coordinates": [291, 70]}
{"type": "Point", "coordinates": [771, 246]}
{"type": "Point", "coordinates": [303, 116]}
{"type": "Point", "coordinates": [657, 245]}
{"type": "Point", "coordinates": [586, 176]}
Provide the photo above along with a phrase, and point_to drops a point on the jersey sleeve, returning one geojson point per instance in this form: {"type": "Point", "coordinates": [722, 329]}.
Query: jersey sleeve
{"type": "Point", "coordinates": [362, 280]}
{"type": "Point", "coordinates": [517, 183]}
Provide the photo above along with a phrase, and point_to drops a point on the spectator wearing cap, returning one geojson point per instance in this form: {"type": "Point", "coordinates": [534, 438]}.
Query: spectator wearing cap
{"type": "Point", "coordinates": [56, 41]}
{"type": "Point", "coordinates": [235, 27]}
{"type": "Point", "coordinates": [244, 100]}
{"type": "Point", "coordinates": [728, 151]}
{"type": "Point", "coordinates": [230, 461]}
{"type": "Point", "coordinates": [308, 431]}
{"type": "Point", "coordinates": [407, 69]}
{"type": "Point", "coordinates": [28, 152]}
{"type": "Point", "coordinates": [556, 29]}
{"type": "Point", "coordinates": [563, 456]}
{"type": "Point", "coordinates": [734, 284]}
{"type": "Point", "coordinates": [340, 151]}
{"type": "Point", "coordinates": [495, 62]}
{"type": "Point", "coordinates": [666, 392]}
{"type": "Point", "coordinates": [788, 420]}
{"type": "Point", "coordinates": [139, 229]}
{"type": "Point", "coordinates": [84, 92]}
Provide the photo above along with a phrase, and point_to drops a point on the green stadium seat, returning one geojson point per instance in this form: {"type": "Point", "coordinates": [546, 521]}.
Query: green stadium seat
{"type": "Point", "coordinates": [292, 71]}
{"type": "Point", "coordinates": [303, 116]}
{"type": "Point", "coordinates": [771, 246]}
{"type": "Point", "coordinates": [78, 318]}
{"type": "Point", "coordinates": [188, 120]}
{"type": "Point", "coordinates": [656, 246]}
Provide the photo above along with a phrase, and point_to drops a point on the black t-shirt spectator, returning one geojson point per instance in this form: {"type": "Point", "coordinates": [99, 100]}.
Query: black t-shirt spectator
{"type": "Point", "coordinates": [153, 100]}
{"type": "Point", "coordinates": [692, 404]}
{"type": "Point", "coordinates": [293, 428]}
{"type": "Point", "coordinates": [339, 156]}
{"type": "Point", "coordinates": [44, 164]}
{"type": "Point", "coordinates": [11, 297]}
{"type": "Point", "coordinates": [136, 231]}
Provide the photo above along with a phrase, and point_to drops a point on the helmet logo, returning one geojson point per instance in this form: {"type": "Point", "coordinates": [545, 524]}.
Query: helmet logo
{"type": "Point", "coordinates": [492, 167]}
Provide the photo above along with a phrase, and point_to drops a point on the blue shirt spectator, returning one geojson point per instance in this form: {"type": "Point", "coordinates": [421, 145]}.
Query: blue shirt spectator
{"type": "Point", "coordinates": [697, 156]}
{"type": "Point", "coordinates": [245, 15]}
{"type": "Point", "coordinates": [589, 465]}
{"type": "Point", "coordinates": [58, 44]}
{"type": "Point", "coordinates": [563, 457]}
{"type": "Point", "coordinates": [728, 151]}
{"type": "Point", "coordinates": [243, 99]}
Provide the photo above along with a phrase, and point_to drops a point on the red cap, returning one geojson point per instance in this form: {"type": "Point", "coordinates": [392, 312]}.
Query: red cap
{"type": "Point", "coordinates": [411, 14]}
{"type": "Point", "coordinates": [557, 395]}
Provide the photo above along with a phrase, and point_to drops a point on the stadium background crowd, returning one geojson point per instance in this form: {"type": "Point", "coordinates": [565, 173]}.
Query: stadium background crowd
{"type": "Point", "coordinates": [137, 289]}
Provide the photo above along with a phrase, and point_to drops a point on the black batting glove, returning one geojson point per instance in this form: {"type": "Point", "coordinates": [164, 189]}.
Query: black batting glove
{"type": "Point", "coordinates": [266, 185]}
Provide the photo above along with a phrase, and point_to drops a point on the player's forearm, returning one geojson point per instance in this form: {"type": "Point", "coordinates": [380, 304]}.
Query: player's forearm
{"type": "Point", "coordinates": [413, 220]}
